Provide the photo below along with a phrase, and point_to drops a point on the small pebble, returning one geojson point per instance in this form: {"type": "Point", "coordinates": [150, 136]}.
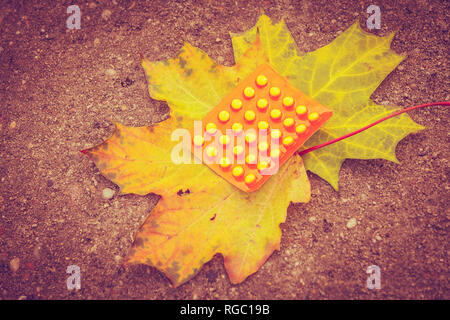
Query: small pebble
{"type": "Point", "coordinates": [14, 264]}
{"type": "Point", "coordinates": [96, 41]}
{"type": "Point", "coordinates": [111, 72]}
{"type": "Point", "coordinates": [351, 223]}
{"type": "Point", "coordinates": [106, 14]}
{"type": "Point", "coordinates": [108, 193]}
{"type": "Point", "coordinates": [13, 125]}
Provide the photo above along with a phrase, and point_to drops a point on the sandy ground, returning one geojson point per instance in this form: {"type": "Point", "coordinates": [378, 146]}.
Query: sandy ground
{"type": "Point", "coordinates": [58, 97]}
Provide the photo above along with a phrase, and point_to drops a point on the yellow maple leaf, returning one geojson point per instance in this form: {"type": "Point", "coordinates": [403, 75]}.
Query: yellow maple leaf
{"type": "Point", "coordinates": [186, 230]}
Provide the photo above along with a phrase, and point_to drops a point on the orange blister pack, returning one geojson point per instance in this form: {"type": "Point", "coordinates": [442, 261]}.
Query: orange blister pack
{"type": "Point", "coordinates": [256, 128]}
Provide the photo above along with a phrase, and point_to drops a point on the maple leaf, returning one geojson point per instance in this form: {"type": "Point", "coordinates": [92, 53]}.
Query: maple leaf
{"type": "Point", "coordinates": [209, 215]}
{"type": "Point", "coordinates": [341, 75]}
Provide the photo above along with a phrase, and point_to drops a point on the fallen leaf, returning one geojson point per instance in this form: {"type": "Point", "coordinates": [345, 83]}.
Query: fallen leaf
{"type": "Point", "coordinates": [341, 75]}
{"type": "Point", "coordinates": [199, 214]}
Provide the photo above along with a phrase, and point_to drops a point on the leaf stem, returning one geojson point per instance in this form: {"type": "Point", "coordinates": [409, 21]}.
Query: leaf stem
{"type": "Point", "coordinates": [441, 103]}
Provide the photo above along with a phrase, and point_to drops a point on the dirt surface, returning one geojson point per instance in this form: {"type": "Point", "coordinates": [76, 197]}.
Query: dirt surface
{"type": "Point", "coordinates": [60, 89]}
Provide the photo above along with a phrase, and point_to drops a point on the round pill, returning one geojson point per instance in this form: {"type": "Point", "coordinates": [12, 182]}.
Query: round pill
{"type": "Point", "coordinates": [250, 159]}
{"type": "Point", "coordinates": [263, 146]}
{"type": "Point", "coordinates": [261, 80]}
{"type": "Point", "coordinates": [238, 171]}
{"type": "Point", "coordinates": [313, 116]}
{"type": "Point", "coordinates": [300, 110]}
{"type": "Point", "coordinates": [249, 115]}
{"type": "Point", "coordinates": [287, 141]}
{"type": "Point", "coordinates": [250, 138]}
{"type": "Point", "coordinates": [236, 104]}
{"type": "Point", "coordinates": [249, 92]}
{"type": "Point", "coordinates": [211, 128]}
{"type": "Point", "coordinates": [274, 92]}
{"type": "Point", "coordinates": [274, 153]}
{"type": "Point", "coordinates": [237, 127]}
{"type": "Point", "coordinates": [263, 125]}
{"type": "Point", "coordinates": [224, 116]}
{"type": "Point", "coordinates": [237, 150]}
{"type": "Point", "coordinates": [262, 104]}
{"type": "Point", "coordinates": [262, 165]}
{"type": "Point", "coordinates": [275, 134]}
{"type": "Point", "coordinates": [300, 128]}
{"type": "Point", "coordinates": [275, 114]}
{"type": "Point", "coordinates": [198, 141]}
{"type": "Point", "coordinates": [288, 102]}
{"type": "Point", "coordinates": [211, 151]}
{"type": "Point", "coordinates": [288, 122]}
{"type": "Point", "coordinates": [250, 178]}
{"type": "Point", "coordinates": [224, 139]}
{"type": "Point", "coordinates": [224, 162]}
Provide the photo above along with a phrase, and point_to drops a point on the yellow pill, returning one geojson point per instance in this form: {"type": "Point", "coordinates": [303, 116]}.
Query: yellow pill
{"type": "Point", "coordinates": [237, 150]}
{"type": "Point", "coordinates": [211, 151]}
{"type": "Point", "coordinates": [274, 153]}
{"type": "Point", "coordinates": [275, 134]}
{"type": "Point", "coordinates": [263, 125]}
{"type": "Point", "coordinates": [250, 178]}
{"type": "Point", "coordinates": [237, 127]}
{"type": "Point", "coordinates": [262, 165]}
{"type": "Point", "coordinates": [288, 101]}
{"type": "Point", "coordinates": [224, 162]}
{"type": "Point", "coordinates": [287, 141]}
{"type": "Point", "coordinates": [224, 139]}
{"type": "Point", "coordinates": [250, 159]}
{"type": "Point", "coordinates": [263, 146]}
{"type": "Point", "coordinates": [238, 171]}
{"type": "Point", "coordinates": [301, 110]}
{"type": "Point", "coordinates": [211, 128]}
{"type": "Point", "coordinates": [198, 141]}
{"type": "Point", "coordinates": [250, 138]}
{"type": "Point", "coordinates": [288, 122]}
{"type": "Point", "coordinates": [249, 92]}
{"type": "Point", "coordinates": [224, 116]}
{"type": "Point", "coordinates": [262, 104]}
{"type": "Point", "coordinates": [313, 116]}
{"type": "Point", "coordinates": [300, 128]}
{"type": "Point", "coordinates": [249, 115]}
{"type": "Point", "coordinates": [236, 104]}
{"type": "Point", "coordinates": [274, 92]}
{"type": "Point", "coordinates": [275, 114]}
{"type": "Point", "coordinates": [261, 80]}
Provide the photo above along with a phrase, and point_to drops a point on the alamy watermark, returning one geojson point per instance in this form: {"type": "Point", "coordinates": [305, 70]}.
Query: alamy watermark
{"type": "Point", "coordinates": [374, 20]}
{"type": "Point", "coordinates": [74, 20]}
{"type": "Point", "coordinates": [263, 147]}
{"type": "Point", "coordinates": [74, 280]}
{"type": "Point", "coordinates": [374, 279]}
